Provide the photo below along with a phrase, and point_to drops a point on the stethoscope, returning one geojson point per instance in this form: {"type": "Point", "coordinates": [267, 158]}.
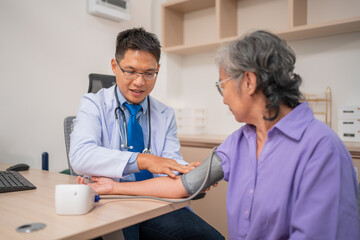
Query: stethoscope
{"type": "Point", "coordinates": [124, 140]}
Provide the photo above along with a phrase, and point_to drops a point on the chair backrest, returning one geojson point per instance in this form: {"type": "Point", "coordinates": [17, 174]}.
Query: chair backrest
{"type": "Point", "coordinates": [99, 81]}
{"type": "Point", "coordinates": [96, 82]}
{"type": "Point", "coordinates": [68, 127]}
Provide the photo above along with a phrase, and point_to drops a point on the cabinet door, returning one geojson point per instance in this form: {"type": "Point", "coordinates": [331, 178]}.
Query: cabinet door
{"type": "Point", "coordinates": [356, 161]}
{"type": "Point", "coordinates": [212, 208]}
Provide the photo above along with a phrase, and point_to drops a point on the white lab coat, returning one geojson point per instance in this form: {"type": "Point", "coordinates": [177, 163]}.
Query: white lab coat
{"type": "Point", "coordinates": [95, 140]}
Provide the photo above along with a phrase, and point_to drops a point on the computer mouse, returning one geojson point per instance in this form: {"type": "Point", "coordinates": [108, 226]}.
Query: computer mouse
{"type": "Point", "coordinates": [18, 167]}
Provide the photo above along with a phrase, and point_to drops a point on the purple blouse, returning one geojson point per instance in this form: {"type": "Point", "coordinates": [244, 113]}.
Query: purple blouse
{"type": "Point", "coordinates": [303, 186]}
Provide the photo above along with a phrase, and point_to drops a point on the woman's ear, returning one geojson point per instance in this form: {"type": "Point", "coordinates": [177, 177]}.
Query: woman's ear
{"type": "Point", "coordinates": [250, 82]}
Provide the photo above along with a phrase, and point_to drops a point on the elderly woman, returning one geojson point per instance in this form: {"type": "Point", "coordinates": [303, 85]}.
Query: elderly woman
{"type": "Point", "coordinates": [289, 175]}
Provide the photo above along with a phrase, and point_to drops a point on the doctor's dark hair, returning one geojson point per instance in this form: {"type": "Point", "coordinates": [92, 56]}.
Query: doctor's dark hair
{"type": "Point", "coordinates": [137, 39]}
{"type": "Point", "coordinates": [272, 61]}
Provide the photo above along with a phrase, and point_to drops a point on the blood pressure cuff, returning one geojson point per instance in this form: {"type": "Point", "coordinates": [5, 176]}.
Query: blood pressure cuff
{"type": "Point", "coordinates": [193, 180]}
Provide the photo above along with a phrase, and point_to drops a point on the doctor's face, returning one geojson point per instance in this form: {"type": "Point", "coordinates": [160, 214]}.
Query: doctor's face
{"type": "Point", "coordinates": [135, 87]}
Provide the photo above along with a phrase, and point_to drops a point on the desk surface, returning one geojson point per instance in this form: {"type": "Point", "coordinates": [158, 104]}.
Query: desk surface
{"type": "Point", "coordinates": [20, 208]}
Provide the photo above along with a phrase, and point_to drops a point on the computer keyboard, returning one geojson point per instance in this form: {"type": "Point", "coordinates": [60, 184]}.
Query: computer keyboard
{"type": "Point", "coordinates": [11, 181]}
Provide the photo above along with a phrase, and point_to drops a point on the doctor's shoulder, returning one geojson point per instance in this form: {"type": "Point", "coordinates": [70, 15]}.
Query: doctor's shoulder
{"type": "Point", "coordinates": [157, 106]}
{"type": "Point", "coordinates": [103, 99]}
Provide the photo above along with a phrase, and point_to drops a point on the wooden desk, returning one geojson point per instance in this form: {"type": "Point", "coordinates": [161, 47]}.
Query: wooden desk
{"type": "Point", "coordinates": [20, 208]}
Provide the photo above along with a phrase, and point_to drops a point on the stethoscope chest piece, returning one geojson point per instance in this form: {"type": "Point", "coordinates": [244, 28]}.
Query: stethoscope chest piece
{"type": "Point", "coordinates": [147, 151]}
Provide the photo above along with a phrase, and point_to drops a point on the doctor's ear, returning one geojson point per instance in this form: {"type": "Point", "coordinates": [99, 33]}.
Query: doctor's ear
{"type": "Point", "coordinates": [113, 65]}
{"type": "Point", "coordinates": [158, 69]}
{"type": "Point", "coordinates": [250, 82]}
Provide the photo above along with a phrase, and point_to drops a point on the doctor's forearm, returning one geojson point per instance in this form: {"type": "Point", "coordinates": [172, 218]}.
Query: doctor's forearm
{"type": "Point", "coordinates": [94, 160]}
{"type": "Point", "coordinates": [165, 187]}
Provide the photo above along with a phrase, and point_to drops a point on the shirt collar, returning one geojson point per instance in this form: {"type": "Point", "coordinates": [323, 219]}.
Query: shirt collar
{"type": "Point", "coordinates": [292, 125]}
{"type": "Point", "coordinates": [122, 100]}
{"type": "Point", "coordinates": [295, 122]}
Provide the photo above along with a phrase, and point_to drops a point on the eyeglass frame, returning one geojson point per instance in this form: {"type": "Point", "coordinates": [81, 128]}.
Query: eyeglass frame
{"type": "Point", "coordinates": [218, 83]}
{"type": "Point", "coordinates": [137, 74]}
{"type": "Point", "coordinates": [219, 87]}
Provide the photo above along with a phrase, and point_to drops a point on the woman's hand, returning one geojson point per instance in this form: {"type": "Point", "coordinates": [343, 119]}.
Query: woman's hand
{"type": "Point", "coordinates": [101, 185]}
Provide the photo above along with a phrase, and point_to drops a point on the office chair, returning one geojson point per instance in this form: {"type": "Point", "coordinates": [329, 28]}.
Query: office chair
{"type": "Point", "coordinates": [96, 82]}
{"type": "Point", "coordinates": [99, 81]}
{"type": "Point", "coordinates": [68, 127]}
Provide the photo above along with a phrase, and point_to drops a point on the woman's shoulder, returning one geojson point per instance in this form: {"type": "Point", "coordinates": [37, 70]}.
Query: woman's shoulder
{"type": "Point", "coordinates": [318, 130]}
{"type": "Point", "coordinates": [320, 137]}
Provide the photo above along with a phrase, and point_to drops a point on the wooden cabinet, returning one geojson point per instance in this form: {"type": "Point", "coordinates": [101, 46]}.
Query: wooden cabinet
{"type": "Point", "coordinates": [354, 149]}
{"type": "Point", "coordinates": [195, 26]}
{"type": "Point", "coordinates": [212, 208]}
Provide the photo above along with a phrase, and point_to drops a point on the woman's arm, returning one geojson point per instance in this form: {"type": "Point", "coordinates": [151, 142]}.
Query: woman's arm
{"type": "Point", "coordinates": [164, 187]}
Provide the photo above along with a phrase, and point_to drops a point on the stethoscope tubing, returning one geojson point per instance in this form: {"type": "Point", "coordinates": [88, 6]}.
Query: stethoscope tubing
{"type": "Point", "coordinates": [124, 140]}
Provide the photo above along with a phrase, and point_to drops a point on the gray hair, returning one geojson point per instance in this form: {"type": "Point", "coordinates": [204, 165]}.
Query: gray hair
{"type": "Point", "coordinates": [272, 60]}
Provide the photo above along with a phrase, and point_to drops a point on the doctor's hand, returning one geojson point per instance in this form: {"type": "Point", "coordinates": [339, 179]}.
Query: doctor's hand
{"type": "Point", "coordinates": [101, 185]}
{"type": "Point", "coordinates": [194, 164]}
{"type": "Point", "coordinates": [159, 165]}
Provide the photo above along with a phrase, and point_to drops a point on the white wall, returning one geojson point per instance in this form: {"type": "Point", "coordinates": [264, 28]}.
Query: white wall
{"type": "Point", "coordinates": [47, 50]}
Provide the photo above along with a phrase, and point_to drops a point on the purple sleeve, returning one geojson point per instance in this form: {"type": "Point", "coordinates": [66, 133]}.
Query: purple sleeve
{"type": "Point", "coordinates": [225, 164]}
{"type": "Point", "coordinates": [224, 150]}
{"type": "Point", "coordinates": [318, 210]}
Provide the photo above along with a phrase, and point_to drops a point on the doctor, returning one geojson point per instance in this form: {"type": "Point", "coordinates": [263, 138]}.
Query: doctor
{"type": "Point", "coordinates": [102, 142]}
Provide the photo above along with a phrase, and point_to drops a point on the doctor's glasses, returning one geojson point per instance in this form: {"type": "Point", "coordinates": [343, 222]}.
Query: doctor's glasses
{"type": "Point", "coordinates": [132, 75]}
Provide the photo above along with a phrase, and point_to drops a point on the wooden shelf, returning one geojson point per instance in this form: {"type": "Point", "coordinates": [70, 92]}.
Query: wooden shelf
{"type": "Point", "coordinates": [321, 30]}
{"type": "Point", "coordinates": [173, 17]}
{"type": "Point", "coordinates": [327, 99]}
{"type": "Point", "coordinates": [185, 6]}
{"type": "Point", "coordinates": [197, 48]}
